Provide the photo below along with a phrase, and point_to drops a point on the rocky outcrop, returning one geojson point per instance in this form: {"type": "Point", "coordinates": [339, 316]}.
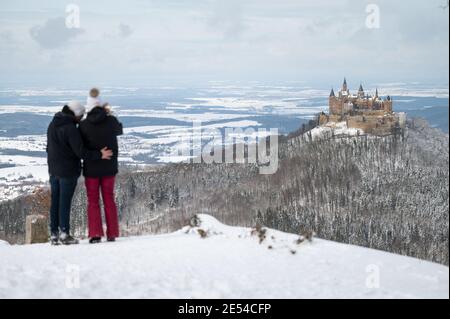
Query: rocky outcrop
{"type": "Point", "coordinates": [36, 229]}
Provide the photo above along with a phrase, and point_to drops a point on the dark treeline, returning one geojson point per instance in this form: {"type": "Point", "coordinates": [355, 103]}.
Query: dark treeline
{"type": "Point", "coordinates": [388, 193]}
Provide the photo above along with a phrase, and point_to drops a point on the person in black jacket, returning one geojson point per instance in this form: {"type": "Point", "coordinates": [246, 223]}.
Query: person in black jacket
{"type": "Point", "coordinates": [65, 149]}
{"type": "Point", "coordinates": [99, 129]}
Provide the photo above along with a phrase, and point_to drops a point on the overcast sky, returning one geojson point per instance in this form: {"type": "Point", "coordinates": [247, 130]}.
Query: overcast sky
{"type": "Point", "coordinates": [193, 41]}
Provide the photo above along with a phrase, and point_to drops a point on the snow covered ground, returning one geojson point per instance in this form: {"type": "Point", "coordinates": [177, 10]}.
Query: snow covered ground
{"type": "Point", "coordinates": [229, 263]}
{"type": "Point", "coordinates": [331, 128]}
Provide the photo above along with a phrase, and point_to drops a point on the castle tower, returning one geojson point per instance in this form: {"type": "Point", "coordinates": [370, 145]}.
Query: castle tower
{"type": "Point", "coordinates": [332, 101]}
{"type": "Point", "coordinates": [387, 105]}
{"type": "Point", "coordinates": [335, 103]}
{"type": "Point", "coordinates": [332, 93]}
{"type": "Point", "coordinates": [376, 93]}
{"type": "Point", "coordinates": [361, 91]}
{"type": "Point", "coordinates": [344, 86]}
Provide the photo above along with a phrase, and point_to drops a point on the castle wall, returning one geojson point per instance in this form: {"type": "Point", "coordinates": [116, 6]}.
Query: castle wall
{"type": "Point", "coordinates": [324, 118]}
{"type": "Point", "coordinates": [373, 124]}
{"type": "Point", "coordinates": [387, 106]}
{"type": "Point", "coordinates": [369, 112]}
{"type": "Point", "coordinates": [335, 105]}
{"type": "Point", "coordinates": [402, 119]}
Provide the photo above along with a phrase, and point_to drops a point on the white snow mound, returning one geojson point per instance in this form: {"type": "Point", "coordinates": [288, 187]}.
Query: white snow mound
{"type": "Point", "coordinates": [211, 260]}
{"type": "Point", "coordinates": [209, 226]}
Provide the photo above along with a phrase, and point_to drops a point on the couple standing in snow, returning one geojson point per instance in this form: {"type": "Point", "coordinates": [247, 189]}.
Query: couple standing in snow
{"type": "Point", "coordinates": [93, 140]}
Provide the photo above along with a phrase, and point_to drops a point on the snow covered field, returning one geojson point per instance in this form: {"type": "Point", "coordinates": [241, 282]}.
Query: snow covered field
{"type": "Point", "coordinates": [229, 263]}
{"type": "Point", "coordinates": [22, 179]}
{"type": "Point", "coordinates": [20, 174]}
{"type": "Point", "coordinates": [139, 145]}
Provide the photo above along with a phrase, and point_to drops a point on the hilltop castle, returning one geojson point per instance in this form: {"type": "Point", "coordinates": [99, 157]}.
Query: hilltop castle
{"type": "Point", "coordinates": [371, 114]}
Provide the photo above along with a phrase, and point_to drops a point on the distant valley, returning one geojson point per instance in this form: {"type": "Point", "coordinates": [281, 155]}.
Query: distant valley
{"type": "Point", "coordinates": [156, 119]}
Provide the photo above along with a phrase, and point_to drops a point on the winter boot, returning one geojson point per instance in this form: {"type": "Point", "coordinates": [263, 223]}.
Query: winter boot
{"type": "Point", "coordinates": [66, 239]}
{"type": "Point", "coordinates": [95, 240]}
{"type": "Point", "coordinates": [111, 240]}
{"type": "Point", "coordinates": [54, 240]}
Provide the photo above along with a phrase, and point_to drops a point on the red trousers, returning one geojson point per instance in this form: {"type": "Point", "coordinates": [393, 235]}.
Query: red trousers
{"type": "Point", "coordinates": [93, 187]}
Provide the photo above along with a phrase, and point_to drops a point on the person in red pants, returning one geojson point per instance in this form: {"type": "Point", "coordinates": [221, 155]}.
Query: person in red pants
{"type": "Point", "coordinates": [101, 128]}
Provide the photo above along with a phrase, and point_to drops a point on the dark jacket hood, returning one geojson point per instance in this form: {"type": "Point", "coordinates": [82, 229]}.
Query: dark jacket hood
{"type": "Point", "coordinates": [100, 130]}
{"type": "Point", "coordinates": [65, 147]}
{"type": "Point", "coordinates": [61, 119]}
{"type": "Point", "coordinates": [97, 115]}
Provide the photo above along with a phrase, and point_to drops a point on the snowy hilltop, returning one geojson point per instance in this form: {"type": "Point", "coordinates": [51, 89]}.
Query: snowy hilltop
{"type": "Point", "coordinates": [211, 260]}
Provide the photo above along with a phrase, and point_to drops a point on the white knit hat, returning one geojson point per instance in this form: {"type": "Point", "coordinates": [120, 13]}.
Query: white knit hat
{"type": "Point", "coordinates": [77, 108]}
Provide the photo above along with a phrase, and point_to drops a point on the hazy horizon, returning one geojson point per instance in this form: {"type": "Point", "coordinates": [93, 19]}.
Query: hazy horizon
{"type": "Point", "coordinates": [193, 42]}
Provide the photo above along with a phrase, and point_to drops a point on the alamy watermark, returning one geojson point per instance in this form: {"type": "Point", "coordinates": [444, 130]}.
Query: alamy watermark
{"type": "Point", "coordinates": [72, 276]}
{"type": "Point", "coordinates": [73, 16]}
{"type": "Point", "coordinates": [373, 276]}
{"type": "Point", "coordinates": [231, 146]}
{"type": "Point", "coordinates": [373, 16]}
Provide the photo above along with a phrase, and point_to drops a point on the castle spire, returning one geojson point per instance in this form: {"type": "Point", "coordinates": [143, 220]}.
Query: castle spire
{"type": "Point", "coordinates": [361, 91]}
{"type": "Point", "coordinates": [332, 93]}
{"type": "Point", "coordinates": [376, 93]}
{"type": "Point", "coordinates": [344, 85]}
{"type": "Point", "coordinates": [361, 88]}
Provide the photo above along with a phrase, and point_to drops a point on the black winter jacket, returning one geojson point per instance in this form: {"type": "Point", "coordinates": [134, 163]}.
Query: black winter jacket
{"type": "Point", "coordinates": [100, 130]}
{"type": "Point", "coordinates": [65, 147]}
